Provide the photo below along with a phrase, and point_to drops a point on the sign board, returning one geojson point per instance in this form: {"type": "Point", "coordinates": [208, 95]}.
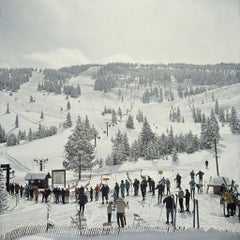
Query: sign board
{"type": "Point", "coordinates": [59, 177]}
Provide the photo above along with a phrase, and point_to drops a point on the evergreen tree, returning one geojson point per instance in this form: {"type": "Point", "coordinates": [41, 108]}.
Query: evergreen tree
{"type": "Point", "coordinates": [12, 139]}
{"type": "Point", "coordinates": [216, 107]}
{"type": "Point", "coordinates": [134, 151]}
{"type": "Point", "coordinates": [68, 122]}
{"type": "Point", "coordinates": [41, 116]}
{"type": "Point", "coordinates": [114, 117]}
{"type": "Point", "coordinates": [145, 138]}
{"type": "Point", "coordinates": [129, 122]}
{"type": "Point", "coordinates": [79, 150]}
{"type": "Point", "coordinates": [30, 135]}
{"type": "Point", "coordinates": [119, 153]}
{"type": "Point", "coordinates": [234, 122]}
{"type": "Point", "coordinates": [120, 113]}
{"type": "Point", "coordinates": [174, 155]}
{"type": "Point", "coordinates": [7, 110]}
{"type": "Point", "coordinates": [139, 116]}
{"type": "Point", "coordinates": [68, 105]}
{"type": "Point", "coordinates": [2, 135]}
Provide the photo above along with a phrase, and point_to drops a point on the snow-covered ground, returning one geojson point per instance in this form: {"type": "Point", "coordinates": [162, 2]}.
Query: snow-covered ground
{"type": "Point", "coordinates": [91, 103]}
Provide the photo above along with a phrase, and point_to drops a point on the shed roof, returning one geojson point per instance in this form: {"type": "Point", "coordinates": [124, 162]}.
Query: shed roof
{"type": "Point", "coordinates": [36, 176]}
{"type": "Point", "coordinates": [218, 181]}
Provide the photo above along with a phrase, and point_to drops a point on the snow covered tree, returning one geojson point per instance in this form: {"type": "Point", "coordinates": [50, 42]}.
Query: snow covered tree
{"type": "Point", "coordinates": [120, 113]}
{"type": "Point", "coordinates": [174, 155]}
{"type": "Point", "coordinates": [146, 137]}
{"type": "Point", "coordinates": [16, 122]}
{"type": "Point", "coordinates": [114, 117]}
{"type": "Point", "coordinates": [7, 110]}
{"type": "Point", "coordinates": [234, 123]}
{"type": "Point", "coordinates": [41, 116]}
{"type": "Point", "coordinates": [12, 139]}
{"type": "Point", "coordinates": [68, 122]}
{"type": "Point", "coordinates": [2, 135]}
{"type": "Point", "coordinates": [30, 135]}
{"type": "Point", "coordinates": [129, 122]}
{"type": "Point", "coordinates": [68, 105]}
{"type": "Point", "coordinates": [79, 150]}
{"type": "Point", "coordinates": [121, 149]}
{"type": "Point", "coordinates": [3, 193]}
{"type": "Point", "coordinates": [139, 116]}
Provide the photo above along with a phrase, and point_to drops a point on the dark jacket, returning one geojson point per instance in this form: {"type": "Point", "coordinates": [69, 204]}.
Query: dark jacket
{"type": "Point", "coordinates": [169, 202]}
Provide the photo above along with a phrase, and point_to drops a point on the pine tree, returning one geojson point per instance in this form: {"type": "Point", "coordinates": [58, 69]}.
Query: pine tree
{"type": "Point", "coordinates": [114, 117]}
{"type": "Point", "coordinates": [120, 113]}
{"type": "Point", "coordinates": [41, 116]}
{"type": "Point", "coordinates": [2, 135]}
{"type": "Point", "coordinates": [234, 122]}
{"type": "Point", "coordinates": [68, 105]}
{"type": "Point", "coordinates": [12, 139]}
{"type": "Point", "coordinates": [145, 138]}
{"type": "Point", "coordinates": [129, 122]}
{"type": "Point", "coordinates": [68, 122]}
{"type": "Point", "coordinates": [7, 110]}
{"type": "Point", "coordinates": [118, 152]}
{"type": "Point", "coordinates": [79, 150]}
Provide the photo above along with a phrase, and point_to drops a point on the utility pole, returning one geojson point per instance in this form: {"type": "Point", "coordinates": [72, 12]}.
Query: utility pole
{"type": "Point", "coordinates": [41, 162]}
{"type": "Point", "coordinates": [216, 155]}
{"type": "Point", "coordinates": [80, 168]}
{"type": "Point", "coordinates": [107, 127]}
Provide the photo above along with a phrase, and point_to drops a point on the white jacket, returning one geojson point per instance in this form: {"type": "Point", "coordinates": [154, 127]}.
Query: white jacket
{"type": "Point", "coordinates": [121, 204]}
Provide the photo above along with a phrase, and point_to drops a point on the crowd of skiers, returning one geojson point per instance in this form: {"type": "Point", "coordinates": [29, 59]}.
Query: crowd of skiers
{"type": "Point", "coordinates": [114, 198]}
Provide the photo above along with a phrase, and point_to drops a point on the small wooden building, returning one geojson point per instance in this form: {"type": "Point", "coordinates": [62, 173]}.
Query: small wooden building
{"type": "Point", "coordinates": [39, 180]}
{"type": "Point", "coordinates": [216, 183]}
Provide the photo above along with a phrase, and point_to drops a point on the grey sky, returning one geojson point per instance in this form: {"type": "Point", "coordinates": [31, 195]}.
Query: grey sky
{"type": "Point", "coordinates": [55, 33]}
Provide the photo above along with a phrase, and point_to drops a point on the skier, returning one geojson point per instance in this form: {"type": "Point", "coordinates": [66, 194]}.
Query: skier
{"type": "Point", "coordinates": [143, 188]}
{"type": "Point", "coordinates": [149, 183]}
{"type": "Point", "coordinates": [127, 185]}
{"type": "Point", "coordinates": [180, 197]}
{"type": "Point", "coordinates": [97, 190]}
{"type": "Point", "coordinates": [91, 194]}
{"type": "Point", "coordinates": [105, 191]}
{"type": "Point", "coordinates": [187, 199]}
{"type": "Point", "coordinates": [122, 187]}
{"type": "Point", "coordinates": [192, 185]}
{"type": "Point", "coordinates": [82, 201]}
{"type": "Point", "coordinates": [206, 164]}
{"type": "Point", "coordinates": [168, 185]}
{"type": "Point", "coordinates": [160, 188]}
{"type": "Point", "coordinates": [63, 193]}
{"type": "Point", "coordinates": [178, 180]}
{"type": "Point", "coordinates": [230, 205]}
{"type": "Point", "coordinates": [121, 205]}
{"type": "Point", "coordinates": [170, 205]}
{"type": "Point", "coordinates": [136, 186]}
{"type": "Point", "coordinates": [153, 186]}
{"type": "Point", "coordinates": [163, 182]}
{"type": "Point", "coordinates": [109, 211]}
{"type": "Point", "coordinates": [116, 189]}
{"type": "Point", "coordinates": [200, 175]}
{"type": "Point", "coordinates": [36, 193]}
{"type": "Point", "coordinates": [192, 174]}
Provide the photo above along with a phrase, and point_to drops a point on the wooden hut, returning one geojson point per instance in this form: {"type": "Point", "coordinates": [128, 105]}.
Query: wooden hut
{"type": "Point", "coordinates": [39, 180]}
{"type": "Point", "coordinates": [216, 183]}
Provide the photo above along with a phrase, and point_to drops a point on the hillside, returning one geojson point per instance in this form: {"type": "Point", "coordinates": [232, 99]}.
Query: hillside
{"type": "Point", "coordinates": [91, 103]}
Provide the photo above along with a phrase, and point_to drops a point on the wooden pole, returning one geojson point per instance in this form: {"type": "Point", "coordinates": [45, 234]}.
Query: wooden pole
{"type": "Point", "coordinates": [216, 155]}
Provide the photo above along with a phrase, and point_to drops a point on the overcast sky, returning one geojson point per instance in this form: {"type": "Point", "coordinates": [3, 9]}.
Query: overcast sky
{"type": "Point", "coordinates": [55, 33]}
